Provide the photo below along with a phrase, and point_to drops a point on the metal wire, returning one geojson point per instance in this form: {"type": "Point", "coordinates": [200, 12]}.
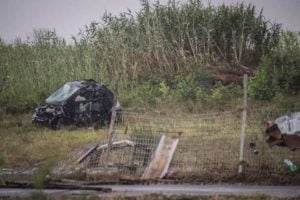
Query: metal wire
{"type": "Point", "coordinates": [208, 143]}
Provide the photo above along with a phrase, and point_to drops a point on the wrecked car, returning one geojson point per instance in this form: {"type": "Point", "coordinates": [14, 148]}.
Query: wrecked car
{"type": "Point", "coordinates": [285, 131]}
{"type": "Point", "coordinates": [82, 103]}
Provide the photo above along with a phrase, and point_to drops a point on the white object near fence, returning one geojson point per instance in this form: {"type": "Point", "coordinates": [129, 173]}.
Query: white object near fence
{"type": "Point", "coordinates": [162, 158]}
{"type": "Point", "coordinates": [243, 127]}
{"type": "Point", "coordinates": [289, 125]}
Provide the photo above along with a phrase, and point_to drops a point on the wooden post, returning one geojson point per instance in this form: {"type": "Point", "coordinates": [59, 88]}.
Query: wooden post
{"type": "Point", "coordinates": [243, 126]}
{"type": "Point", "coordinates": [111, 132]}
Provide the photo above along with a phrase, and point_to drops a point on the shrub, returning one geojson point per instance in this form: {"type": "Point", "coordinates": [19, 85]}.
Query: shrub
{"type": "Point", "coordinates": [42, 176]}
{"type": "Point", "coordinates": [164, 89]}
{"type": "Point", "coordinates": [142, 94]}
{"type": "Point", "coordinates": [202, 95]}
{"type": "Point", "coordinates": [262, 85]}
{"type": "Point", "coordinates": [222, 93]}
{"type": "Point", "coordinates": [279, 70]}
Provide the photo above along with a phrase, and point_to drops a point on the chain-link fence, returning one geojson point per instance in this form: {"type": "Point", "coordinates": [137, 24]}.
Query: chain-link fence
{"type": "Point", "coordinates": [208, 144]}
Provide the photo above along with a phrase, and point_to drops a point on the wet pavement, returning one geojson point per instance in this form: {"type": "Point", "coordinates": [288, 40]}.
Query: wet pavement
{"type": "Point", "coordinates": [194, 190]}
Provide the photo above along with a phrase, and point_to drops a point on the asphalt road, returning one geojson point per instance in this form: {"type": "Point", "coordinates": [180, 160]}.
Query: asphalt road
{"type": "Point", "coordinates": [195, 190]}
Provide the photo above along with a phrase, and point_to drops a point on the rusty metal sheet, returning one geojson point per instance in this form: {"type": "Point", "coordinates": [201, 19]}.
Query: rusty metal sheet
{"type": "Point", "coordinates": [160, 162]}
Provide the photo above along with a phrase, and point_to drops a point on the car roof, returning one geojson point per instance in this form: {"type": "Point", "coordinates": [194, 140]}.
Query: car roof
{"type": "Point", "coordinates": [90, 82]}
{"type": "Point", "coordinates": [82, 83]}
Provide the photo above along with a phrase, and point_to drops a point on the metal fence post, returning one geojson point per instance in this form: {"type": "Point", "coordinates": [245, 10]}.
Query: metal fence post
{"type": "Point", "coordinates": [243, 126]}
{"type": "Point", "coordinates": [112, 132]}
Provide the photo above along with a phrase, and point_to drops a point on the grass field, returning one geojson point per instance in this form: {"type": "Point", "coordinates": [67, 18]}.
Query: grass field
{"type": "Point", "coordinates": [24, 145]}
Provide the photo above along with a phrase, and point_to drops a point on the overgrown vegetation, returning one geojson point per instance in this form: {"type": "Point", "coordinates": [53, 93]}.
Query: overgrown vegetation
{"type": "Point", "coordinates": [188, 56]}
{"type": "Point", "coordinates": [279, 70]}
{"type": "Point", "coordinates": [42, 176]}
{"type": "Point", "coordinates": [23, 145]}
{"type": "Point", "coordinates": [161, 54]}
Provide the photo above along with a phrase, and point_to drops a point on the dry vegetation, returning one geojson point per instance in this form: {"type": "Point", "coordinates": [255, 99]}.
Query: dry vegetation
{"type": "Point", "coordinates": [23, 145]}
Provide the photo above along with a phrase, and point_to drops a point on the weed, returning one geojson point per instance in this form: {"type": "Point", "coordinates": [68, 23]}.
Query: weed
{"type": "Point", "coordinates": [43, 174]}
{"type": "Point", "coordinates": [2, 161]}
{"type": "Point", "coordinates": [39, 196]}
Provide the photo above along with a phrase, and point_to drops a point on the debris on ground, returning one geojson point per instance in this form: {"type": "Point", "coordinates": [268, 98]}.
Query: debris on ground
{"type": "Point", "coordinates": [95, 160]}
{"type": "Point", "coordinates": [253, 149]}
{"type": "Point", "coordinates": [60, 184]}
{"type": "Point", "coordinates": [152, 164]}
{"type": "Point", "coordinates": [118, 144]}
{"type": "Point", "coordinates": [292, 167]}
{"type": "Point", "coordinates": [159, 165]}
{"type": "Point", "coordinates": [285, 131]}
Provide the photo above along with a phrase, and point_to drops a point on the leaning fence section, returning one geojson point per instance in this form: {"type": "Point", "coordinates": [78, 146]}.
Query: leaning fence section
{"type": "Point", "coordinates": [207, 144]}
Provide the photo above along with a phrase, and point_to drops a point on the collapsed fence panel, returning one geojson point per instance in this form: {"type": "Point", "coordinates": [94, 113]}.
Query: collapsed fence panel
{"type": "Point", "coordinates": [208, 144]}
{"type": "Point", "coordinates": [203, 144]}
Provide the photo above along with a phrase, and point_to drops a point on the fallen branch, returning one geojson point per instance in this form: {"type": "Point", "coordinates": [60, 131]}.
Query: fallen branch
{"type": "Point", "coordinates": [91, 150]}
{"type": "Point", "coordinates": [118, 144]}
{"type": "Point", "coordinates": [55, 185]}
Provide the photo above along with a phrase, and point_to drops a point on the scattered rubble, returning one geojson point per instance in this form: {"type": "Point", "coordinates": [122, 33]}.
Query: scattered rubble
{"type": "Point", "coordinates": [285, 131]}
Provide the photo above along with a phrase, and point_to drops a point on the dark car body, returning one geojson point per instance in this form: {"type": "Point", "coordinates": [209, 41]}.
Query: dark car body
{"type": "Point", "coordinates": [82, 103]}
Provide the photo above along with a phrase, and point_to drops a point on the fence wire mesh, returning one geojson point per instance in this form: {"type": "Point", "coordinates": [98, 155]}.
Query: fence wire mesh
{"type": "Point", "coordinates": [208, 143]}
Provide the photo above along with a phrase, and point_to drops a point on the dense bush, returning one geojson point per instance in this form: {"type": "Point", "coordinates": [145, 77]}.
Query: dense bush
{"type": "Point", "coordinates": [279, 70]}
{"type": "Point", "coordinates": [221, 94]}
{"type": "Point", "coordinates": [263, 86]}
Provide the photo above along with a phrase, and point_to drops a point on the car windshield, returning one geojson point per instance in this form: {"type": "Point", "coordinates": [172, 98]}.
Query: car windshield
{"type": "Point", "coordinates": [62, 94]}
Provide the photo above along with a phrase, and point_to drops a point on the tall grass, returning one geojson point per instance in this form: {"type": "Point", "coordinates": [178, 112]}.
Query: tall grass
{"type": "Point", "coordinates": [138, 52]}
{"type": "Point", "coordinates": [30, 70]}
{"type": "Point", "coordinates": [169, 39]}
{"type": "Point", "coordinates": [23, 144]}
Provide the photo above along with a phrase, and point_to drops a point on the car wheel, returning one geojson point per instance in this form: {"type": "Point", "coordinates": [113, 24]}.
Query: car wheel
{"type": "Point", "coordinates": [56, 123]}
{"type": "Point", "coordinates": [97, 126]}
